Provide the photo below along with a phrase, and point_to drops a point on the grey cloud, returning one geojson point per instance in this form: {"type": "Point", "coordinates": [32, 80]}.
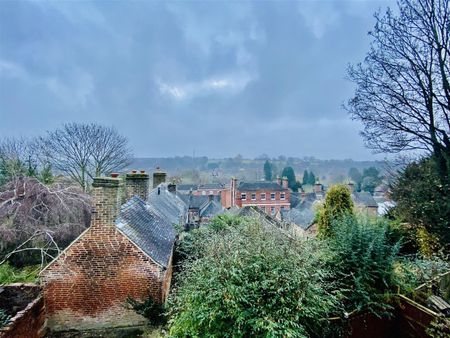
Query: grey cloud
{"type": "Point", "coordinates": [223, 77]}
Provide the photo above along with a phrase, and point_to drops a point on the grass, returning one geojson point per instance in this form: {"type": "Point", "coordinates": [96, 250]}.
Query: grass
{"type": "Point", "coordinates": [10, 274]}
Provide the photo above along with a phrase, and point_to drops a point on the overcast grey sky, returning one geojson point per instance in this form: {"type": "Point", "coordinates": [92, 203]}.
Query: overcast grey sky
{"type": "Point", "coordinates": [223, 77]}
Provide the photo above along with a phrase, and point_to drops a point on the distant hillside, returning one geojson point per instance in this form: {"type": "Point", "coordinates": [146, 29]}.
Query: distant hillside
{"type": "Point", "coordinates": [203, 169]}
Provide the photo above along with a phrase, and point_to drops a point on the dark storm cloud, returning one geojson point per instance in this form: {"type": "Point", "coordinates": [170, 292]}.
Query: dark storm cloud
{"type": "Point", "coordinates": [221, 77]}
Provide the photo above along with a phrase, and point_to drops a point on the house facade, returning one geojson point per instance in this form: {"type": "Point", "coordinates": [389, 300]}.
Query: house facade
{"type": "Point", "coordinates": [271, 197]}
{"type": "Point", "coordinates": [126, 252]}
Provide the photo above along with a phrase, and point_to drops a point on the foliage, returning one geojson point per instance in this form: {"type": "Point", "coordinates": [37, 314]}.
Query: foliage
{"type": "Point", "coordinates": [413, 271]}
{"type": "Point", "coordinates": [192, 245]}
{"type": "Point", "coordinates": [305, 179]}
{"type": "Point", "coordinates": [148, 308]}
{"type": "Point", "coordinates": [9, 274]}
{"type": "Point", "coordinates": [439, 328]}
{"type": "Point", "coordinates": [356, 176]}
{"type": "Point", "coordinates": [362, 260]}
{"type": "Point", "coordinates": [424, 202]}
{"type": "Point", "coordinates": [268, 171]}
{"type": "Point", "coordinates": [252, 281]}
{"type": "Point", "coordinates": [403, 86]}
{"type": "Point", "coordinates": [312, 178]}
{"type": "Point", "coordinates": [289, 173]}
{"type": "Point", "coordinates": [338, 204]}
{"type": "Point", "coordinates": [370, 179]}
{"type": "Point", "coordinates": [4, 318]}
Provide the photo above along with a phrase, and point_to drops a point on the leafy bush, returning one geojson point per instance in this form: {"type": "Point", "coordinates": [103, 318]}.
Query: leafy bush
{"type": "Point", "coordinates": [252, 281]}
{"type": "Point", "coordinates": [423, 201]}
{"type": "Point", "coordinates": [338, 204]}
{"type": "Point", "coordinates": [9, 274]}
{"type": "Point", "coordinates": [4, 318]}
{"type": "Point", "coordinates": [150, 309]}
{"type": "Point", "coordinates": [362, 259]}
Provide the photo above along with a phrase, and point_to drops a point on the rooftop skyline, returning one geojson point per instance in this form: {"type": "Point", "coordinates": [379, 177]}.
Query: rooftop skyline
{"type": "Point", "coordinates": [223, 78]}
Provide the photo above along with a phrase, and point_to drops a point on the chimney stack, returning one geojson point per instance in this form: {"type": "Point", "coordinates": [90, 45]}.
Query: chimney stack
{"type": "Point", "coordinates": [159, 177]}
{"type": "Point", "coordinates": [285, 182]}
{"type": "Point", "coordinates": [106, 201]}
{"type": "Point", "coordinates": [351, 187]}
{"type": "Point", "coordinates": [318, 187]}
{"type": "Point", "coordinates": [233, 192]}
{"type": "Point", "coordinates": [136, 184]}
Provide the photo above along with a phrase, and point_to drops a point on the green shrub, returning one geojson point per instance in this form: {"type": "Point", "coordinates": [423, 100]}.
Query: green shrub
{"type": "Point", "coordinates": [9, 274]}
{"type": "Point", "coordinates": [338, 204]}
{"type": "Point", "coordinates": [150, 309]}
{"type": "Point", "coordinates": [253, 281]}
{"type": "Point", "coordinates": [362, 260]}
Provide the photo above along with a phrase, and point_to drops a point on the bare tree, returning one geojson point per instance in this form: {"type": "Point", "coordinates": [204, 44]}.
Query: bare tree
{"type": "Point", "coordinates": [34, 216]}
{"type": "Point", "coordinates": [83, 151]}
{"type": "Point", "coordinates": [16, 159]}
{"type": "Point", "coordinates": [402, 88]}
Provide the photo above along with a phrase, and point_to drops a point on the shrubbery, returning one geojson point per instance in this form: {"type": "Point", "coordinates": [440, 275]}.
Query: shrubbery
{"type": "Point", "coordinates": [362, 260]}
{"type": "Point", "coordinates": [252, 281]}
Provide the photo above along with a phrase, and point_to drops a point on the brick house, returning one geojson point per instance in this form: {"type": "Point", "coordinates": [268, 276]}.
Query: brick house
{"type": "Point", "coordinates": [271, 197]}
{"type": "Point", "coordinates": [126, 252]}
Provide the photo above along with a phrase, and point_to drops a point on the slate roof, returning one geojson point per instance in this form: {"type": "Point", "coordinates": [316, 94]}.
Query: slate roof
{"type": "Point", "coordinates": [152, 234]}
{"type": "Point", "coordinates": [212, 208]}
{"type": "Point", "coordinates": [210, 186]}
{"type": "Point", "coordinates": [364, 198]}
{"type": "Point", "coordinates": [186, 187]}
{"type": "Point", "coordinates": [166, 205]}
{"type": "Point", "coordinates": [303, 217]}
{"type": "Point", "coordinates": [254, 186]}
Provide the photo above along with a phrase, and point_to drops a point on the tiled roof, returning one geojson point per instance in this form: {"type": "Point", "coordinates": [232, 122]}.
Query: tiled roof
{"type": "Point", "coordinates": [364, 198]}
{"type": "Point", "coordinates": [210, 186]}
{"type": "Point", "coordinates": [166, 205]}
{"type": "Point", "coordinates": [212, 208]}
{"type": "Point", "coordinates": [151, 233]}
{"type": "Point", "coordinates": [187, 187]}
{"type": "Point", "coordinates": [253, 186]}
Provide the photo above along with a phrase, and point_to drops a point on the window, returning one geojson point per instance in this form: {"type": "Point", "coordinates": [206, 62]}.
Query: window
{"type": "Point", "coordinates": [282, 196]}
{"type": "Point", "coordinates": [263, 196]}
{"type": "Point", "coordinates": [211, 192]}
{"type": "Point", "coordinates": [203, 192]}
{"type": "Point", "coordinates": [243, 197]}
{"type": "Point", "coordinates": [253, 197]}
{"type": "Point", "coordinates": [272, 196]}
{"type": "Point", "coordinates": [282, 208]}
{"type": "Point", "coordinates": [272, 210]}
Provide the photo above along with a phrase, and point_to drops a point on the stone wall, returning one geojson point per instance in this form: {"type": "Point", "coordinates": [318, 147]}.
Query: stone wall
{"type": "Point", "coordinates": [26, 306]}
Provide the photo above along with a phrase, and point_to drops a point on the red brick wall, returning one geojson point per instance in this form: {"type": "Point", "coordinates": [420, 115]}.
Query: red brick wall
{"type": "Point", "coordinates": [88, 285]}
{"type": "Point", "coordinates": [268, 202]}
{"type": "Point", "coordinates": [29, 323]}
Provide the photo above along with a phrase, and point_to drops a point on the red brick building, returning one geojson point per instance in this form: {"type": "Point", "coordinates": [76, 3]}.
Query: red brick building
{"type": "Point", "coordinates": [126, 252]}
{"type": "Point", "coordinates": [272, 197]}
